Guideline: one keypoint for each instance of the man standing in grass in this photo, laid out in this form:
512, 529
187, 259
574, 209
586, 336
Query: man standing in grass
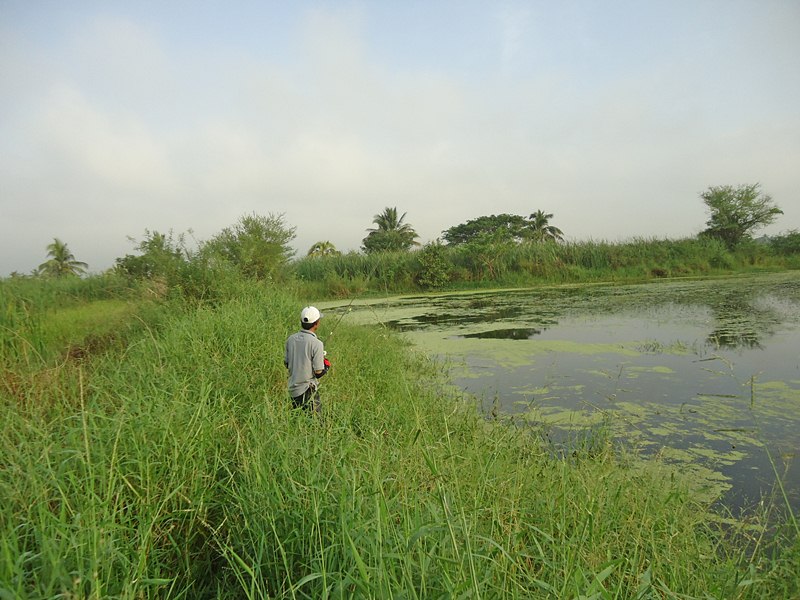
305, 359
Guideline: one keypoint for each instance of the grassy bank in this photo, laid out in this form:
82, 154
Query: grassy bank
510, 265
168, 465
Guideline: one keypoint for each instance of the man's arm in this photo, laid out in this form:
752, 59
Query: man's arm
319, 357
324, 371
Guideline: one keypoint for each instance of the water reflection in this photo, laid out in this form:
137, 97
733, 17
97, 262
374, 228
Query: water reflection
503, 334
702, 373
742, 320
735, 317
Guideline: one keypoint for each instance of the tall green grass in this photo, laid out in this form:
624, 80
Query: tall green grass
173, 467
509, 264
46, 293
40, 318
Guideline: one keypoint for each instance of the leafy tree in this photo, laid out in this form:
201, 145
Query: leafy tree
257, 246
541, 230
161, 255
504, 227
62, 261
323, 249
390, 234
737, 211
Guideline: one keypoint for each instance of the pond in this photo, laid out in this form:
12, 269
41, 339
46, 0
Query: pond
705, 374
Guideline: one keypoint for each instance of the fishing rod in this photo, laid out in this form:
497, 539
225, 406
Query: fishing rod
348, 308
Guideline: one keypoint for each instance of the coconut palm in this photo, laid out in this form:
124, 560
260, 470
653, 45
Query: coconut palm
541, 230
325, 248
391, 233
62, 261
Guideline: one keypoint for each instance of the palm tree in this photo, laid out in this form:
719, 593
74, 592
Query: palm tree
541, 230
391, 233
62, 261
325, 248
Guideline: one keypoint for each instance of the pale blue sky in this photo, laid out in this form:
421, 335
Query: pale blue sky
116, 117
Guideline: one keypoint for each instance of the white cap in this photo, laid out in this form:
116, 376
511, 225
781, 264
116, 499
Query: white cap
310, 315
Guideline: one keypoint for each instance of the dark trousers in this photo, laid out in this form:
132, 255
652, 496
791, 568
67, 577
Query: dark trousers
308, 400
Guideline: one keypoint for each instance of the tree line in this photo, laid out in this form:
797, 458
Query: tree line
259, 246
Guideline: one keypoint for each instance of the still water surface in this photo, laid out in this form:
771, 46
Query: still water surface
703, 374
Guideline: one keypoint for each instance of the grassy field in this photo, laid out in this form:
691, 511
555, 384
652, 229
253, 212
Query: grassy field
165, 463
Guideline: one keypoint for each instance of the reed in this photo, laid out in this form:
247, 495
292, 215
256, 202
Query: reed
509, 264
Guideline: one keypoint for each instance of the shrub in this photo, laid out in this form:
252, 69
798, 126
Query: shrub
787, 244
434, 267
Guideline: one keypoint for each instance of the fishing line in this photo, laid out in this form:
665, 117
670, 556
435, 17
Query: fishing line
349, 307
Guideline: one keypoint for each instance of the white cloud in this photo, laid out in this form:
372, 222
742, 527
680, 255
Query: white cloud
115, 152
